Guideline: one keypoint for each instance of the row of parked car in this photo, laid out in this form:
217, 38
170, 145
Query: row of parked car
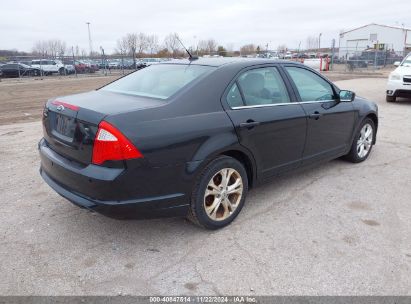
128, 63
40, 67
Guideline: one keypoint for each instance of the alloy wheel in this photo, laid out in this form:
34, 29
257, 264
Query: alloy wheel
364, 141
223, 194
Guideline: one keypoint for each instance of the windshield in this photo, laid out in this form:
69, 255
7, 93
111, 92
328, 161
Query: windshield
158, 81
407, 61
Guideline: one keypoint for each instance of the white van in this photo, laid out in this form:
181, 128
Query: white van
48, 66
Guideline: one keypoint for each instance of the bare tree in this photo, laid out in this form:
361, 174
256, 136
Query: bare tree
172, 44
211, 45
248, 49
141, 43
83, 53
312, 43
77, 51
62, 48
208, 46
132, 45
40, 48
51, 48
202, 47
122, 46
152, 43
282, 48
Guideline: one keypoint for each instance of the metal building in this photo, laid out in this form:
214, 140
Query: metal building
381, 37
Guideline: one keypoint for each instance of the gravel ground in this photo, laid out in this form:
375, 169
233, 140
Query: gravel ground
22, 100
338, 229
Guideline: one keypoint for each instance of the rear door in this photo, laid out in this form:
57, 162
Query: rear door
330, 122
267, 120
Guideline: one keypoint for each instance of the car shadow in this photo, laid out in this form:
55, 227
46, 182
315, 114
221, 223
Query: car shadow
403, 101
101, 227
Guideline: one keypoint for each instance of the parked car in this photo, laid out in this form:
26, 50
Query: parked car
18, 70
103, 64
145, 62
48, 66
79, 66
159, 142
91, 66
372, 57
69, 69
399, 81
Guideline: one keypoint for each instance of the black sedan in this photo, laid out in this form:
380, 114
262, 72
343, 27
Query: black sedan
18, 70
190, 138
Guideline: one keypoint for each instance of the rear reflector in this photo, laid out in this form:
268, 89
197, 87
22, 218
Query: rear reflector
111, 144
64, 104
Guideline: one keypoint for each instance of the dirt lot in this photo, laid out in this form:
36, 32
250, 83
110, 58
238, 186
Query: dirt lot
23, 100
337, 229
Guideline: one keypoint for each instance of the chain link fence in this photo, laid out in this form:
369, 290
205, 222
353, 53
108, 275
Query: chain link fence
44, 66
371, 59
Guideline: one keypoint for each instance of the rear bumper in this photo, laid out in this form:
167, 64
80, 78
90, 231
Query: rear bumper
62, 177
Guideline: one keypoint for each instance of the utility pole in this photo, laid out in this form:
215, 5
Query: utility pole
319, 43
332, 53
104, 60
74, 61
89, 39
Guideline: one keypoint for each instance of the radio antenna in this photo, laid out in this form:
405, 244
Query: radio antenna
191, 57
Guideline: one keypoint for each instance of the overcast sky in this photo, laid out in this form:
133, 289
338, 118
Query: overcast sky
235, 22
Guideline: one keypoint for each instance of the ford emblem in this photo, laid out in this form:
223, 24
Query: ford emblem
60, 108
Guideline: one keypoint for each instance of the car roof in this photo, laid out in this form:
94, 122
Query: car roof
220, 61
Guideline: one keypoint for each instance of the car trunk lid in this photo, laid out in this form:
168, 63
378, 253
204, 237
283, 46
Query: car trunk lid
71, 123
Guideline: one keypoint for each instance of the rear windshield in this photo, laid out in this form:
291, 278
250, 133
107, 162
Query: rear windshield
158, 81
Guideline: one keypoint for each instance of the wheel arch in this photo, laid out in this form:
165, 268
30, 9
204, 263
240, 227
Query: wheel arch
245, 159
238, 153
374, 118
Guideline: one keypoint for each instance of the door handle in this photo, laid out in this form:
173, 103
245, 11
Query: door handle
249, 124
316, 115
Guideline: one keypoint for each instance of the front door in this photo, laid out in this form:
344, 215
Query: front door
330, 122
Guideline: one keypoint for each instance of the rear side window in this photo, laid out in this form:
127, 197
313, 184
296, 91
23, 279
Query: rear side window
234, 97
263, 86
310, 86
158, 81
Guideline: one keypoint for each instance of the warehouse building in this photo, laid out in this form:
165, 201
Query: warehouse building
381, 37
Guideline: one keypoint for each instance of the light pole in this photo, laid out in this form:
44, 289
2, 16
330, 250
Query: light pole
319, 42
89, 39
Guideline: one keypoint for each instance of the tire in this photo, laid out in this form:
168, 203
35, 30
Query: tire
390, 98
62, 71
228, 206
358, 154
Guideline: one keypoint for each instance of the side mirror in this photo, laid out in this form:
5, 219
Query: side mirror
397, 63
347, 95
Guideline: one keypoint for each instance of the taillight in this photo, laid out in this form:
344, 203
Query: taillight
111, 144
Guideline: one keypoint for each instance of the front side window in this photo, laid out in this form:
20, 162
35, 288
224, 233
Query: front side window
263, 86
310, 86
158, 81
